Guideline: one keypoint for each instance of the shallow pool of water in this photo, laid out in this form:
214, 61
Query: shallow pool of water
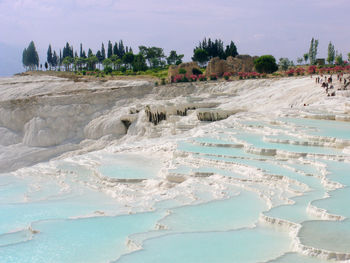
129, 166
70, 215
328, 235
231, 246
99, 239
240, 211
336, 129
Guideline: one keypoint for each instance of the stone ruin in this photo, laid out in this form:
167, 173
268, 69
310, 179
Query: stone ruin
240, 63
174, 69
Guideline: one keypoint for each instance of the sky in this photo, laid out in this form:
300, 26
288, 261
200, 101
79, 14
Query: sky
282, 28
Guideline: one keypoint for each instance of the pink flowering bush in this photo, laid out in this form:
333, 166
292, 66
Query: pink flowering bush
202, 77
312, 69
253, 75
249, 75
193, 78
242, 75
332, 70
290, 72
177, 78
338, 69
180, 78
300, 71
227, 75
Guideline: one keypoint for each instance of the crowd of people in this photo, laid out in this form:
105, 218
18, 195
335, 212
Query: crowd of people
327, 83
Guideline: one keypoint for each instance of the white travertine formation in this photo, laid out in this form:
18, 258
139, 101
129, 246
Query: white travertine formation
43, 118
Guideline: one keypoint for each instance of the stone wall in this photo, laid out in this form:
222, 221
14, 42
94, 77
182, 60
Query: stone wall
240, 63
174, 69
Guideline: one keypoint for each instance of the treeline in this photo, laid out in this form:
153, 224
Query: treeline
121, 57
116, 56
333, 57
208, 49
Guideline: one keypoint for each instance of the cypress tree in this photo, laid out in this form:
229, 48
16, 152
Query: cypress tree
81, 50
115, 49
68, 51
103, 52
121, 49
313, 51
60, 61
216, 48
110, 49
65, 51
49, 56
331, 53
54, 60
25, 58
231, 50
99, 57
30, 57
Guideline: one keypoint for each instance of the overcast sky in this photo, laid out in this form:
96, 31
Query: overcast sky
282, 28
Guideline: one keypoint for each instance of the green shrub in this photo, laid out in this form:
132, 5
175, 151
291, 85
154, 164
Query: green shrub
163, 81
156, 83
108, 70
213, 77
182, 71
266, 64
84, 72
196, 71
